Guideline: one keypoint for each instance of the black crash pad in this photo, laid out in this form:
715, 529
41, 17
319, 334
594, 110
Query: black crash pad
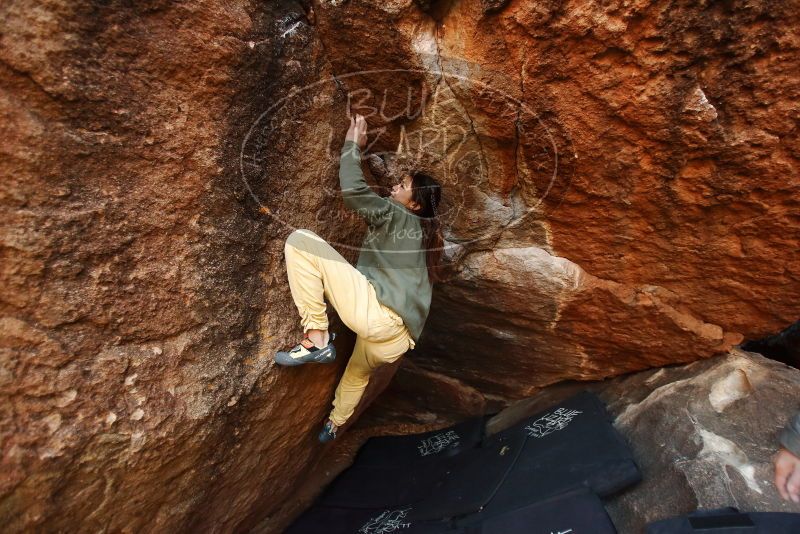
728, 521
576, 512
378, 487
395, 471
569, 445
336, 520
395, 451
446, 487
471, 478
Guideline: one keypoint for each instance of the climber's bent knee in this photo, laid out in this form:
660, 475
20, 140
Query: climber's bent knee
302, 233
300, 236
306, 232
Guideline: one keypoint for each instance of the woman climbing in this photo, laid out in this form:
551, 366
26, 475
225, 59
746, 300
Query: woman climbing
386, 298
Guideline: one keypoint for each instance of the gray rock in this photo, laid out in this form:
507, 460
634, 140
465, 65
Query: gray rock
703, 434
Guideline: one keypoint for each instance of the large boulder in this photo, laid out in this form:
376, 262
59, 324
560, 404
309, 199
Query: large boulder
642, 166
620, 186
143, 292
618, 195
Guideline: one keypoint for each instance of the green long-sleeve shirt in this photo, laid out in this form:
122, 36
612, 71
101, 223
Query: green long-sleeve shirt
393, 253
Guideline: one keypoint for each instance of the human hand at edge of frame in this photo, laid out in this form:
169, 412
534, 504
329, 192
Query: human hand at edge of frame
787, 475
357, 131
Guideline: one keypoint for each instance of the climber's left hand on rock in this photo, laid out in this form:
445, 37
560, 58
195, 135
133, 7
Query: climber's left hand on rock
358, 131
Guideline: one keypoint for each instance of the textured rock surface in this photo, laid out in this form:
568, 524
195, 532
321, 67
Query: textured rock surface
703, 434
143, 293
670, 230
621, 181
621, 187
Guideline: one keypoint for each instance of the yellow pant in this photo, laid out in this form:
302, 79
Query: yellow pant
316, 270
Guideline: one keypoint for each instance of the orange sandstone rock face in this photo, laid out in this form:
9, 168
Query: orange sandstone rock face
143, 293
621, 193
624, 190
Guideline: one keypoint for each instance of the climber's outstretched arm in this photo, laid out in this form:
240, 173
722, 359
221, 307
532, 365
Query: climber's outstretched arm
356, 193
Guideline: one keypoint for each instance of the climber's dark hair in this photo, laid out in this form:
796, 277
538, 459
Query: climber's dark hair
427, 192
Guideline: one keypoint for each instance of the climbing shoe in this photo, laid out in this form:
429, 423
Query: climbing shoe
307, 352
328, 432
